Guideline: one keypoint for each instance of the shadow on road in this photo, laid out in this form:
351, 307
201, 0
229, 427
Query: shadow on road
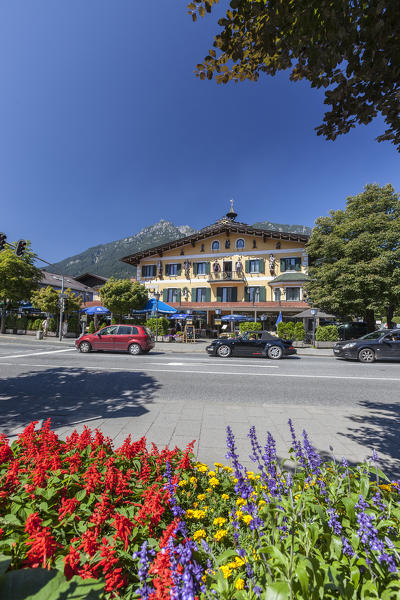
379, 430
69, 396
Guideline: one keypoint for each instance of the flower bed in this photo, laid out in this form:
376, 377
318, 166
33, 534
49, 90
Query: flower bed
78, 517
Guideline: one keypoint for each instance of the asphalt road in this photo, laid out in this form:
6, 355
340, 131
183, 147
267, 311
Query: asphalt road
173, 397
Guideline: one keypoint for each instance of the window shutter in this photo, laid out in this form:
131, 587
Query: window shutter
193, 294
153, 270
142, 271
165, 295
167, 269
178, 295
219, 294
179, 269
283, 265
297, 265
246, 295
194, 268
234, 295
207, 268
261, 266
208, 291
262, 294
247, 266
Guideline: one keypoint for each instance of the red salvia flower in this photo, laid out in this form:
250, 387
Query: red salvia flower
71, 562
124, 528
67, 507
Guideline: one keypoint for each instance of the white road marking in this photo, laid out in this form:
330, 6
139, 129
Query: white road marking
226, 373
175, 364
38, 353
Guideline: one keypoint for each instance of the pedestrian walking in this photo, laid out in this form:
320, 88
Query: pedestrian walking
45, 326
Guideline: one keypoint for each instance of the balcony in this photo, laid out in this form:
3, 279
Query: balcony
226, 277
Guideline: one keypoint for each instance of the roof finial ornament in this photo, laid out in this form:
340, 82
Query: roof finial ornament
231, 214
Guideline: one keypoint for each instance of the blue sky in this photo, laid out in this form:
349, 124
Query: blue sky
105, 129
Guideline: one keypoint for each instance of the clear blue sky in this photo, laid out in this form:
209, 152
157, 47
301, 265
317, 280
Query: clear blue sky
105, 129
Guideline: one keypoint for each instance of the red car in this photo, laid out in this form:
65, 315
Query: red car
135, 339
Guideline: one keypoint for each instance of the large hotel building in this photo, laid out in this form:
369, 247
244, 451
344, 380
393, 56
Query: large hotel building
228, 267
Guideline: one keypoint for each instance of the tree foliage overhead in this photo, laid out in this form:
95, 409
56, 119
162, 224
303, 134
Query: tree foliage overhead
349, 47
120, 296
48, 300
18, 278
355, 255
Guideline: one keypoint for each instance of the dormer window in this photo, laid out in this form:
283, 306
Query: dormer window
215, 245
240, 244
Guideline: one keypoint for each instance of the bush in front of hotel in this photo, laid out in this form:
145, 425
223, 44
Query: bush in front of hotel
327, 333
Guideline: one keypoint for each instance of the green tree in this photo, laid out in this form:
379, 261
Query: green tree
120, 296
350, 48
48, 300
355, 256
18, 278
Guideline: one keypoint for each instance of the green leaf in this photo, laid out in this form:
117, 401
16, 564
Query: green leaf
225, 555
4, 563
42, 584
11, 519
364, 485
277, 591
302, 574
80, 495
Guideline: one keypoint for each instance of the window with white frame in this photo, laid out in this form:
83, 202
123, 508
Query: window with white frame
215, 245
172, 269
240, 244
172, 295
254, 266
292, 294
148, 270
277, 294
201, 268
200, 295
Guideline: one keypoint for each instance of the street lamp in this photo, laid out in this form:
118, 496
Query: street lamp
157, 296
314, 312
61, 305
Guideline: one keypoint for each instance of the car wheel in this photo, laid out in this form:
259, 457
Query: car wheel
366, 355
274, 352
85, 347
224, 351
135, 349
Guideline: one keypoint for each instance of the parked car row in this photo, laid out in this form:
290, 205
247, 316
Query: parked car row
383, 344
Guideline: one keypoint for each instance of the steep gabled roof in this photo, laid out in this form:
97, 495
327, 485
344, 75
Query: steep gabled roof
225, 225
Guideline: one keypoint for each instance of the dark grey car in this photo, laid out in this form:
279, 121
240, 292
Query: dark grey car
378, 345
252, 343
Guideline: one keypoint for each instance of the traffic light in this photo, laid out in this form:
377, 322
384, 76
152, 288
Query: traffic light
20, 249
3, 239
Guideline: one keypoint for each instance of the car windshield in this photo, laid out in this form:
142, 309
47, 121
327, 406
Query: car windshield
375, 335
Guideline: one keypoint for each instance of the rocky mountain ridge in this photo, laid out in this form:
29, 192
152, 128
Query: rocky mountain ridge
104, 259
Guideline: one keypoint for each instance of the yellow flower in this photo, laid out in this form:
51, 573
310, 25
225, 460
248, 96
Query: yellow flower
226, 570
209, 490
261, 503
225, 497
195, 504
182, 482
211, 473
250, 474
214, 481
195, 514
220, 465
202, 469
239, 585
219, 521
228, 469
221, 533
247, 519
239, 561
240, 502
193, 480
201, 497
200, 533
239, 514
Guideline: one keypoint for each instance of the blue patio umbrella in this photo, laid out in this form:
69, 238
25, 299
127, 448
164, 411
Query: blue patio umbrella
152, 306
180, 316
96, 310
234, 318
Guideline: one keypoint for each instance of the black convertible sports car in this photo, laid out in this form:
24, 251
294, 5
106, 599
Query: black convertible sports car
252, 343
383, 344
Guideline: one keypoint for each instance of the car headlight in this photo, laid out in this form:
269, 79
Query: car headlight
351, 345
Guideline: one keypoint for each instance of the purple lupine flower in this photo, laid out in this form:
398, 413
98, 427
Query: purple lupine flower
188, 579
368, 535
333, 521
377, 501
347, 547
257, 591
313, 458
256, 448
144, 555
177, 511
297, 445
243, 486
